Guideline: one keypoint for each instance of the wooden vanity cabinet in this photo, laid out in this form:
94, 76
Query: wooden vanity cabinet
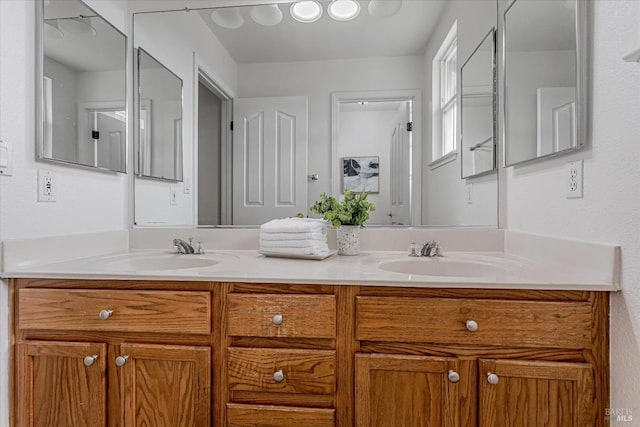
78, 366
289, 355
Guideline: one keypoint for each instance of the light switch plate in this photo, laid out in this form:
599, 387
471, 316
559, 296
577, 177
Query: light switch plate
173, 195
6, 158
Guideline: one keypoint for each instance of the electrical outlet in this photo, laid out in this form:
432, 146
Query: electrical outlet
574, 179
173, 195
469, 194
47, 189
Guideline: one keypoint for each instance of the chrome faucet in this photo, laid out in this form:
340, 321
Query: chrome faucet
431, 249
184, 247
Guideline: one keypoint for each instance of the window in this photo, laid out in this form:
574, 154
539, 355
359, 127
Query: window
444, 101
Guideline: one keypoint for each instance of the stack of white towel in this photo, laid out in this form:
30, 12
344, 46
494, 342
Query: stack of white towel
294, 236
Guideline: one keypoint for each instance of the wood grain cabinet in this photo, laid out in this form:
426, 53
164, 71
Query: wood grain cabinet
202, 354
123, 374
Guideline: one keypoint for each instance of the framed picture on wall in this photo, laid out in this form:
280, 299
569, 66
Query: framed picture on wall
361, 174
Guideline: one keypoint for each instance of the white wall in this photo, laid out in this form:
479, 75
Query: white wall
444, 193
610, 209
88, 201
172, 38
366, 134
65, 115
317, 80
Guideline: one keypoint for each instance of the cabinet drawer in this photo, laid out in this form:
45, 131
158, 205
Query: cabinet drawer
300, 371
499, 322
278, 416
272, 315
131, 311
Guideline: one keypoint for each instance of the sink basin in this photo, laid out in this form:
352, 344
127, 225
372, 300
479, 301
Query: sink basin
441, 267
158, 262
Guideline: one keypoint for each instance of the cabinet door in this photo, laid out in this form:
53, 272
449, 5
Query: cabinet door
536, 394
61, 384
165, 385
408, 391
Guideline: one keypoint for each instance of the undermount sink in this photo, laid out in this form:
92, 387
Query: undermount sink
158, 262
441, 267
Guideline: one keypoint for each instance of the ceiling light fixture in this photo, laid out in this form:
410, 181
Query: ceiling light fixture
52, 30
306, 11
78, 26
384, 8
343, 10
228, 17
267, 15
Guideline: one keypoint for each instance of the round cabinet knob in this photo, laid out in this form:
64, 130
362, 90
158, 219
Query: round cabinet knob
121, 360
492, 378
277, 319
88, 360
278, 376
453, 376
105, 314
471, 325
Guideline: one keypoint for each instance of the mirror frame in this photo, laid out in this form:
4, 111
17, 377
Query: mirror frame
582, 93
39, 88
491, 35
138, 106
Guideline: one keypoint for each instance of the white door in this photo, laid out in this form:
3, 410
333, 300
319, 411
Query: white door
401, 168
269, 159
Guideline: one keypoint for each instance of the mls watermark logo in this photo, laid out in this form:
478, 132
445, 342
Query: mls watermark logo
619, 414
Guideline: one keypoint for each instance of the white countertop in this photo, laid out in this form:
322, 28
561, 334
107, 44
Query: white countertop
503, 271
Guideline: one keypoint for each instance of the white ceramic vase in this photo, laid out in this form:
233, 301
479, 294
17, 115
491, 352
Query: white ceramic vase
348, 239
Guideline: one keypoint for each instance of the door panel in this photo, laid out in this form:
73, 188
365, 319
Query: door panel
57, 389
536, 394
408, 391
270, 159
166, 385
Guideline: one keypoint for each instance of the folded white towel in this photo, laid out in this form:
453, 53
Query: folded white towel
297, 251
289, 225
293, 243
292, 236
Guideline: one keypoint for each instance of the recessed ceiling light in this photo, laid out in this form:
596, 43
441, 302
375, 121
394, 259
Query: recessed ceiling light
363, 102
78, 26
306, 11
268, 14
343, 10
384, 8
228, 17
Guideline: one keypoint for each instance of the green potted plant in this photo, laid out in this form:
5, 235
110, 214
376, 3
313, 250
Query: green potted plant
347, 215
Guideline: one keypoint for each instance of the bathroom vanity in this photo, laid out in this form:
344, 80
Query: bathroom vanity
367, 347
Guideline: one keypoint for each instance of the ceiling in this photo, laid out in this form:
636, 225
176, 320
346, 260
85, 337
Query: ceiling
404, 34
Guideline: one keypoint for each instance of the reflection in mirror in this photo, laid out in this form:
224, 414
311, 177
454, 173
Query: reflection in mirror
81, 95
478, 106
160, 120
249, 60
544, 84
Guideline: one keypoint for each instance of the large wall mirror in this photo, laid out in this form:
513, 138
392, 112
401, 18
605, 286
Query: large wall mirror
81, 115
252, 53
478, 110
544, 78
159, 146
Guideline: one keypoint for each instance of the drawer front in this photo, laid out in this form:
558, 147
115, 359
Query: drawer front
282, 370
274, 416
498, 322
272, 315
130, 311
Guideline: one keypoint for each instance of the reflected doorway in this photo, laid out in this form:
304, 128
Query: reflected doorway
213, 133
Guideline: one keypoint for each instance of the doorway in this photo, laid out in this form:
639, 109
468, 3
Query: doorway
213, 127
385, 127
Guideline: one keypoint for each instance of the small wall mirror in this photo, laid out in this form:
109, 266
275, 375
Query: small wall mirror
81, 115
478, 120
545, 67
159, 120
